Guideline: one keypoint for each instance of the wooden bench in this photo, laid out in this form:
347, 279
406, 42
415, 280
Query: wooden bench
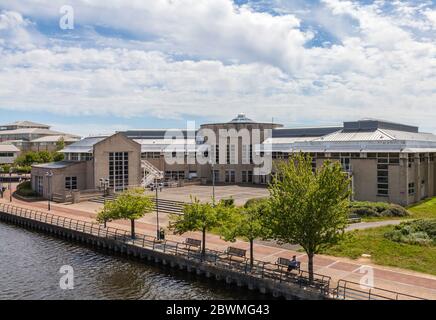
284, 263
233, 252
190, 242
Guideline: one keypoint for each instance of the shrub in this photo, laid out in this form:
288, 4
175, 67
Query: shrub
6, 168
25, 189
418, 232
230, 202
377, 209
254, 201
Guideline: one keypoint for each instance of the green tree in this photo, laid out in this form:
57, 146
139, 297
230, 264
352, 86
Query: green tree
57, 156
44, 157
131, 204
198, 216
60, 144
31, 157
246, 222
308, 208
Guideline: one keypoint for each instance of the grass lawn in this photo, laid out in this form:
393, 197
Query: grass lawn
386, 252
424, 210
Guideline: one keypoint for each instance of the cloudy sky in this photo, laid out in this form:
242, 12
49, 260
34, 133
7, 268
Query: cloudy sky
158, 63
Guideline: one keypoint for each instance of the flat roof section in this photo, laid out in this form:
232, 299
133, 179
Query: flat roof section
56, 165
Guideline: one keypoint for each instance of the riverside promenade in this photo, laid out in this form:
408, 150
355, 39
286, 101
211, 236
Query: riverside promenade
339, 269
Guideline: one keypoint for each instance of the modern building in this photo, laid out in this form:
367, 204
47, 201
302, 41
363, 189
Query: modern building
31, 136
8, 153
386, 161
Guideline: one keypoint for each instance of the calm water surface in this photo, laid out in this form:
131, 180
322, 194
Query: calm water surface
30, 263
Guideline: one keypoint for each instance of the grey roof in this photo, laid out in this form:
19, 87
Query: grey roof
8, 148
155, 133
374, 124
40, 131
56, 165
27, 124
303, 132
377, 135
55, 138
85, 145
241, 118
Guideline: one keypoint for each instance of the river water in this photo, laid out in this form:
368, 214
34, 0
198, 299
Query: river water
30, 265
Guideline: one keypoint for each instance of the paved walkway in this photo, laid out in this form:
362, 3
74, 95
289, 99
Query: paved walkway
390, 278
372, 224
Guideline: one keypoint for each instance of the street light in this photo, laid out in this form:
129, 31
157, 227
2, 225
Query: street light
157, 210
1, 181
104, 185
213, 180
10, 183
49, 175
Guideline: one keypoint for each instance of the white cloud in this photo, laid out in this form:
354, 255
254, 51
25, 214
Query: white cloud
230, 59
431, 16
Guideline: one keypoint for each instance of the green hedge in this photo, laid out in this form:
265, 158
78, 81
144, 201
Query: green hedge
16, 169
254, 201
25, 189
419, 232
377, 209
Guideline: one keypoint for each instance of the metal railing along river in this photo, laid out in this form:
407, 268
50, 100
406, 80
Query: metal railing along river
260, 269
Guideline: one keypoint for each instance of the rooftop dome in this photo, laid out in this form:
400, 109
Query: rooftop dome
241, 118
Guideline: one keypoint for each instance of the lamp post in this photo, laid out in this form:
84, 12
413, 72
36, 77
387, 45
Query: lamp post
104, 185
157, 210
1, 181
49, 175
213, 181
10, 183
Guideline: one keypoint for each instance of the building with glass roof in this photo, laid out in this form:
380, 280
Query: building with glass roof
386, 161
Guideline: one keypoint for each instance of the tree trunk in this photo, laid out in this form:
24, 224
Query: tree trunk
310, 255
251, 253
132, 228
203, 251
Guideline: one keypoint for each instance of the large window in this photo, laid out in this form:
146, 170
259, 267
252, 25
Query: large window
230, 155
71, 183
6, 154
411, 188
411, 159
230, 176
247, 176
174, 175
39, 185
85, 156
119, 170
383, 174
217, 154
150, 155
216, 176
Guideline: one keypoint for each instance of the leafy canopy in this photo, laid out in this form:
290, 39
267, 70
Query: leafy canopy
198, 216
308, 208
246, 222
131, 204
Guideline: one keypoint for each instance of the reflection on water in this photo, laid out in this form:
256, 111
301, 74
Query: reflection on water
30, 263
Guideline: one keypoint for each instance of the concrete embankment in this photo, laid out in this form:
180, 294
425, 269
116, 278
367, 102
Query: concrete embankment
176, 255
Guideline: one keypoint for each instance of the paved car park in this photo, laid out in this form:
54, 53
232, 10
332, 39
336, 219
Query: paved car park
240, 193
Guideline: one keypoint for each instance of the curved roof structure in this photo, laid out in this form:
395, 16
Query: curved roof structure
241, 118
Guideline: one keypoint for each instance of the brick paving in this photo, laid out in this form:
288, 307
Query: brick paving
389, 278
